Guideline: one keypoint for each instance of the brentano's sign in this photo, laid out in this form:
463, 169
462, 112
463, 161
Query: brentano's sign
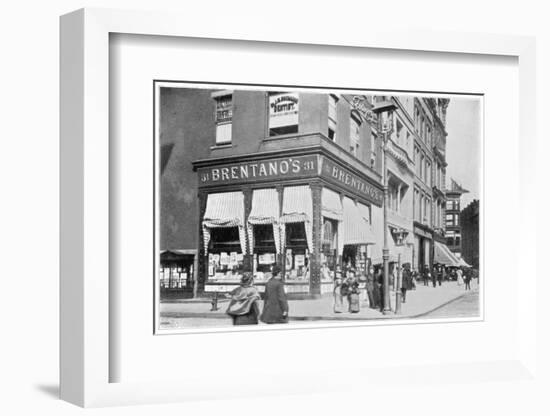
295, 167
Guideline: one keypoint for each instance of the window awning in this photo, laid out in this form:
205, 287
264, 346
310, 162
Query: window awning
443, 255
331, 205
298, 207
265, 210
224, 209
297, 204
357, 228
265, 207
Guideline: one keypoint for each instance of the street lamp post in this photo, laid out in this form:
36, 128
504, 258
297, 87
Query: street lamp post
383, 107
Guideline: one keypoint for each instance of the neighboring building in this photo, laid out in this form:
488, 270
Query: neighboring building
469, 228
452, 218
429, 117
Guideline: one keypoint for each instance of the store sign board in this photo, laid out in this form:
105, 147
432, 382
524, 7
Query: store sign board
352, 182
271, 169
283, 109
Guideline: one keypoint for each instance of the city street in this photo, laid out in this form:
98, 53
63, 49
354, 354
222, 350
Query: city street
447, 301
465, 306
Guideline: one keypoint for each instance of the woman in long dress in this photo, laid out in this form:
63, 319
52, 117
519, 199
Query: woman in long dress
459, 279
338, 296
244, 306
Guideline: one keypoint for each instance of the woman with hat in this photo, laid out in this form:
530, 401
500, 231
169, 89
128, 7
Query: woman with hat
244, 306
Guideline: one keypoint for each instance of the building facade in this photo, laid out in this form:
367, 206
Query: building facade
250, 179
469, 229
453, 234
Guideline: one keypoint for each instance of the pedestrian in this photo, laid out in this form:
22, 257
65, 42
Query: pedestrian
414, 278
426, 275
467, 280
244, 306
338, 306
275, 301
439, 275
434, 276
459, 279
380, 288
407, 281
345, 290
353, 296
370, 289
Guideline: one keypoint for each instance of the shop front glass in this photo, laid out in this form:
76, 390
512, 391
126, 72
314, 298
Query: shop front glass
296, 253
225, 257
329, 246
264, 251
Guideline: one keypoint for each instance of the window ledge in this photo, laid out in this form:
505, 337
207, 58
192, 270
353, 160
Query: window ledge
222, 146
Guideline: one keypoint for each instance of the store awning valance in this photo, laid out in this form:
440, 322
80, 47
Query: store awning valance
297, 204
265, 210
298, 207
265, 207
224, 209
331, 205
443, 255
357, 228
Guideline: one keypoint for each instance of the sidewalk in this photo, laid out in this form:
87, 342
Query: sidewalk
419, 302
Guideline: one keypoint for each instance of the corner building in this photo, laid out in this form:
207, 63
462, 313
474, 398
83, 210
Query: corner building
249, 179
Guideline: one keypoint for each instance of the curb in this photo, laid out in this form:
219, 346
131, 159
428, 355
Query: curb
223, 315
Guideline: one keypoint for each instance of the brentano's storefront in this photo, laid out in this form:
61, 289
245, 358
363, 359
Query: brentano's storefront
309, 213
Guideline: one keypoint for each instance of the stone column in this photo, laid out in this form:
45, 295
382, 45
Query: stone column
248, 258
315, 255
202, 269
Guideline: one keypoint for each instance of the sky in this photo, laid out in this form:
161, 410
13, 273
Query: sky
464, 145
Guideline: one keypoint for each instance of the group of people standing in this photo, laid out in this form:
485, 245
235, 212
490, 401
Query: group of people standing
439, 273
244, 306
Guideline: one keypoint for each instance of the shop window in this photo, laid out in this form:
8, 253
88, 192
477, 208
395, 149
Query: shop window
283, 113
265, 253
296, 252
224, 118
225, 258
332, 116
329, 247
355, 129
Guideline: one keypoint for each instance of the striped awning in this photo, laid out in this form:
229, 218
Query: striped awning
297, 204
298, 207
443, 255
331, 205
265, 207
265, 210
224, 209
357, 229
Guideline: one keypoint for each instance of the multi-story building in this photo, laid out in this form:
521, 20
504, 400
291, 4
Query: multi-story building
429, 118
469, 229
452, 218
250, 178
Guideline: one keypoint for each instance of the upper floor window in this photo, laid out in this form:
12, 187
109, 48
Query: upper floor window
283, 113
398, 131
332, 116
355, 134
224, 118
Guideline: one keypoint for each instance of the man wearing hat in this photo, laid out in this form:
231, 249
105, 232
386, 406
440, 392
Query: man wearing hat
275, 302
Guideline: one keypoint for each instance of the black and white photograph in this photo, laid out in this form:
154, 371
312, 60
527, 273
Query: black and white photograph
280, 205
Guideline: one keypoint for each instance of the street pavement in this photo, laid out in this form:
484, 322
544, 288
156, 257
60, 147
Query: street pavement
424, 302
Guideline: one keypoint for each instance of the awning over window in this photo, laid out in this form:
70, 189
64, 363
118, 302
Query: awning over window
265, 210
443, 255
463, 262
357, 228
224, 210
331, 206
298, 207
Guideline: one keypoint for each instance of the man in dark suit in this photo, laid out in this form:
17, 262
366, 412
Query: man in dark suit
275, 302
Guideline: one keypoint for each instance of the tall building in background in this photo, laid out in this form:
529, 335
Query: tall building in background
469, 228
452, 218
430, 139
